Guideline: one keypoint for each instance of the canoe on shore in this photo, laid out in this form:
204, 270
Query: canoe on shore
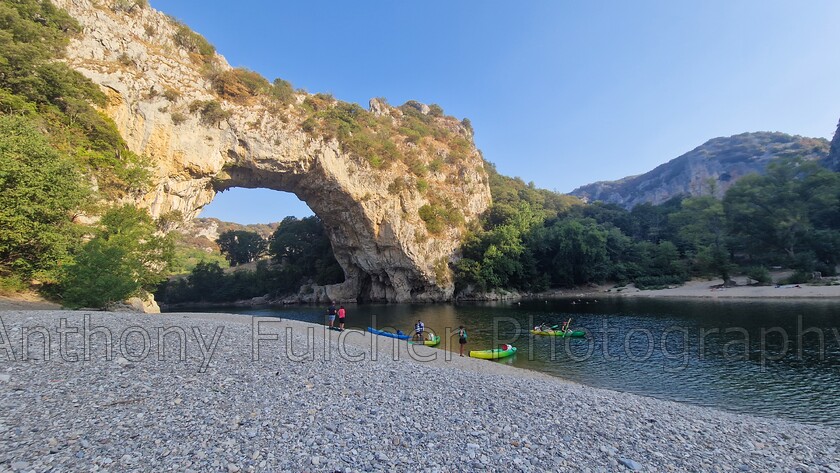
559, 333
429, 343
388, 334
493, 354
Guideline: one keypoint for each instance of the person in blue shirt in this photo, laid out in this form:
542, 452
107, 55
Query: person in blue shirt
419, 328
331, 312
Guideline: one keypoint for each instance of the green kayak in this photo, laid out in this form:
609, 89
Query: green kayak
494, 353
429, 343
559, 333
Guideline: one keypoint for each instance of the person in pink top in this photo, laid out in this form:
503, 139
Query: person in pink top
341, 314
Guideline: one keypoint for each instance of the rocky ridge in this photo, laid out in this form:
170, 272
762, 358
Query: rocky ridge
371, 214
709, 169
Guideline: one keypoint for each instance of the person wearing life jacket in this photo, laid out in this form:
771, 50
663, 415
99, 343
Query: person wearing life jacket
565, 327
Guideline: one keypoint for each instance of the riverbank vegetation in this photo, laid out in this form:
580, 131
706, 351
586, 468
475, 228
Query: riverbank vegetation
532, 241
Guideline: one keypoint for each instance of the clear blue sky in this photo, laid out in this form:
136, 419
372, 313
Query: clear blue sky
562, 93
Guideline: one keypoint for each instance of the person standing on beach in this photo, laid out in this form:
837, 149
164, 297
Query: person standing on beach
462, 338
419, 328
341, 315
331, 313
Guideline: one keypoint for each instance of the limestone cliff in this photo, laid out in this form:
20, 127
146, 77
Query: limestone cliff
832, 161
371, 205
712, 167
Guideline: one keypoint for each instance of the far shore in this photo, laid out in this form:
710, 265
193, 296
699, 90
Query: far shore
703, 289
696, 289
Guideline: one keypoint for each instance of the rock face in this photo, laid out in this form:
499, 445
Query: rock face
708, 169
145, 304
833, 160
371, 213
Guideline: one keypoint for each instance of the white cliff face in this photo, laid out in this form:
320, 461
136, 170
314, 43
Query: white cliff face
376, 231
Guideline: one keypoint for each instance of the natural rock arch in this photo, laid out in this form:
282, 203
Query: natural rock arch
371, 215
364, 233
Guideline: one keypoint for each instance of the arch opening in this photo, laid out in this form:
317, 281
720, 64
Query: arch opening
350, 238
254, 206
299, 254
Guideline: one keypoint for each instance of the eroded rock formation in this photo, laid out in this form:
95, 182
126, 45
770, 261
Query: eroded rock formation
371, 213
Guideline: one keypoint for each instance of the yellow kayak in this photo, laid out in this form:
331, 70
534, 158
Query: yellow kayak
494, 353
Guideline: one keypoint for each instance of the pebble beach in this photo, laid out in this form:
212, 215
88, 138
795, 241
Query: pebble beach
217, 392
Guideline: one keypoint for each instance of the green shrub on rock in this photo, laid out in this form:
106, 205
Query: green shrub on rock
211, 111
282, 91
240, 84
200, 49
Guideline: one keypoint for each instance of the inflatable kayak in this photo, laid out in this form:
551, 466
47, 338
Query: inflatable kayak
429, 343
494, 353
388, 334
559, 333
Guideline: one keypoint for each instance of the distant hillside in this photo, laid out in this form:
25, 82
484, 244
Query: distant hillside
203, 232
213, 227
195, 241
710, 168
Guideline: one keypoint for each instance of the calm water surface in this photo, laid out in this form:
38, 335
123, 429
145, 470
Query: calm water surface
779, 359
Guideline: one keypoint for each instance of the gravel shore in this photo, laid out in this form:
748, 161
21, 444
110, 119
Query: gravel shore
711, 290
345, 405
695, 289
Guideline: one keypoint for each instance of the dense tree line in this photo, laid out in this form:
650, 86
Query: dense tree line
788, 217
53, 144
39, 190
300, 253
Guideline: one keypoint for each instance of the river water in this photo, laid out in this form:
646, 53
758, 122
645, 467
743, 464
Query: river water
778, 359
